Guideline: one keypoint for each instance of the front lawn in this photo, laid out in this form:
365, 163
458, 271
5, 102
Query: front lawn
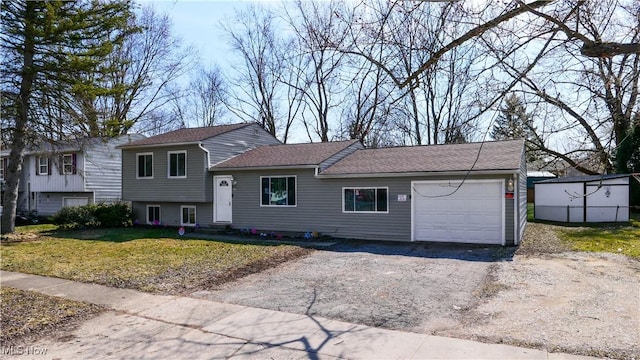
620, 239
153, 260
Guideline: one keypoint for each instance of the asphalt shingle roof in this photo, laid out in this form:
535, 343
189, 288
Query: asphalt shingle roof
285, 155
495, 155
186, 135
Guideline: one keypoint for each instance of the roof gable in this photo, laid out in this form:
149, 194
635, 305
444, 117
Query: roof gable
486, 156
186, 135
286, 155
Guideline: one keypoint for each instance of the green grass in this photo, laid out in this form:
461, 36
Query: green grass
530, 216
148, 259
620, 239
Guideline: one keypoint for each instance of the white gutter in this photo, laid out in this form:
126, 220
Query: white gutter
208, 155
412, 174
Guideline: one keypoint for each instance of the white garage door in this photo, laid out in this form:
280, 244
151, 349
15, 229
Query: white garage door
75, 201
472, 214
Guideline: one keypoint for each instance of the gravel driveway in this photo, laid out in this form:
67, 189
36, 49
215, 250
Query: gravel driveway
583, 303
418, 287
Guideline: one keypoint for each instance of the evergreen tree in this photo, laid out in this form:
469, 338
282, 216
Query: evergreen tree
48, 49
514, 122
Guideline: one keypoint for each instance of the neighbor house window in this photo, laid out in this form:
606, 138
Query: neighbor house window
177, 164
278, 190
153, 214
365, 199
3, 163
43, 166
188, 215
145, 165
68, 164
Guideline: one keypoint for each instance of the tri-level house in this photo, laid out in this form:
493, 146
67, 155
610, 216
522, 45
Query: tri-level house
167, 179
70, 173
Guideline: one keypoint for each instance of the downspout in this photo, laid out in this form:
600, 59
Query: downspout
208, 155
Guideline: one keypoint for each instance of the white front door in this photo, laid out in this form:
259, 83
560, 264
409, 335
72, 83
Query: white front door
222, 198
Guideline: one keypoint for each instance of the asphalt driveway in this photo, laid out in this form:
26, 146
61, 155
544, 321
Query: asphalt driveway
423, 288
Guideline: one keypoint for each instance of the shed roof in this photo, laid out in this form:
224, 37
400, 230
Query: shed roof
186, 135
586, 178
285, 155
482, 156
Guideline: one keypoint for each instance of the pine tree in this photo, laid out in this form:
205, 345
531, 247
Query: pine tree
514, 122
48, 49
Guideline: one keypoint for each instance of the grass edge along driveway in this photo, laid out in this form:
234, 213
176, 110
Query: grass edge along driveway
146, 259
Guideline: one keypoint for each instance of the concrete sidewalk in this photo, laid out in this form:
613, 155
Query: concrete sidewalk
146, 326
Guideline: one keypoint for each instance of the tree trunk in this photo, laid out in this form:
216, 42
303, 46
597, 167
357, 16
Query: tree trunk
16, 156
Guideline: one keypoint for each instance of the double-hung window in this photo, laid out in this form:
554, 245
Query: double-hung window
68, 164
43, 166
153, 214
278, 190
188, 215
145, 166
367, 199
177, 164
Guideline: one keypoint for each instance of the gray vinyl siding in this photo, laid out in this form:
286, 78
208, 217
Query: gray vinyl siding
509, 221
522, 197
340, 155
49, 203
103, 169
319, 206
56, 181
236, 142
170, 212
196, 187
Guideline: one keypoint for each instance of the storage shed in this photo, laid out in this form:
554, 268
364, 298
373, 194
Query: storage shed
593, 198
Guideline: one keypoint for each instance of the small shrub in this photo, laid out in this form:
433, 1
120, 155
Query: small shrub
93, 215
114, 215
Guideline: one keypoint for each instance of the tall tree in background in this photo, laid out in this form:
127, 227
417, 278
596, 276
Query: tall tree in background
514, 122
49, 48
143, 67
203, 102
259, 91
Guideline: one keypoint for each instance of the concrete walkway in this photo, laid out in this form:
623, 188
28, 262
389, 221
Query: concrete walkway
146, 326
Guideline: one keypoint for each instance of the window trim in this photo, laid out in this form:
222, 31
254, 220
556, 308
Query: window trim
169, 153
364, 188
159, 213
40, 165
138, 155
279, 176
195, 215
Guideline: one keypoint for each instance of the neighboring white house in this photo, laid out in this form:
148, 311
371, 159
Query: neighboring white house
70, 173
594, 198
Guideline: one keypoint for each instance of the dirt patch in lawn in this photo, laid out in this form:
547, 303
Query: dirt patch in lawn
579, 303
26, 316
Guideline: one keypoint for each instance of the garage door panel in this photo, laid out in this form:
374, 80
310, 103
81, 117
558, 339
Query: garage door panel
472, 214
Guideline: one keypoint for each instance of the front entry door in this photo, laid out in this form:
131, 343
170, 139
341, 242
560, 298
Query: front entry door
222, 201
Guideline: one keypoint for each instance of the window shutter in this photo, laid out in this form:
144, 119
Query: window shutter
74, 161
37, 165
61, 164
48, 166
